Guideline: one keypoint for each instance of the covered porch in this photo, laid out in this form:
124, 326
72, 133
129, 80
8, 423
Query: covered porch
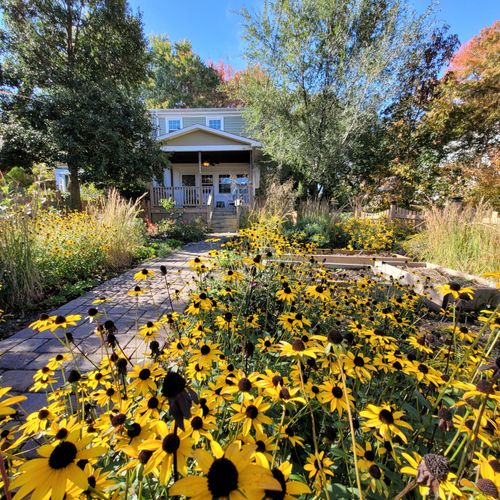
215, 173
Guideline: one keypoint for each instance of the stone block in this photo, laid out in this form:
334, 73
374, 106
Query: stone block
19, 380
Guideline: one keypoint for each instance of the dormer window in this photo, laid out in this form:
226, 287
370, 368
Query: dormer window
215, 123
174, 125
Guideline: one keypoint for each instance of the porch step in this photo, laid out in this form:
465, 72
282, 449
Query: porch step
224, 222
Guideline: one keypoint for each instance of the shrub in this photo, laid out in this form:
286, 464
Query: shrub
458, 238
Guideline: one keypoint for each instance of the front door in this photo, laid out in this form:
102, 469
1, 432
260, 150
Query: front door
190, 197
207, 187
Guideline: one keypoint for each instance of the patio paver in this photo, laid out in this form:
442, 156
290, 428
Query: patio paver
25, 352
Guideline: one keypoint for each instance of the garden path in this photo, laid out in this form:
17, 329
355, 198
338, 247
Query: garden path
25, 352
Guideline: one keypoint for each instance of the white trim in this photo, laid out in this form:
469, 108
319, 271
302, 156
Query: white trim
221, 118
204, 128
197, 111
222, 147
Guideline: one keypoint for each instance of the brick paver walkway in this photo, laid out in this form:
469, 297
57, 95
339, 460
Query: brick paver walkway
25, 352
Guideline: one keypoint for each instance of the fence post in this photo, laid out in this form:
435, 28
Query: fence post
392, 211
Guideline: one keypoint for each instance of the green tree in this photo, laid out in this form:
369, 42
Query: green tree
326, 69
77, 67
180, 79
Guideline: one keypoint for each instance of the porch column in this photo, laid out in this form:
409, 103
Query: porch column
250, 179
199, 188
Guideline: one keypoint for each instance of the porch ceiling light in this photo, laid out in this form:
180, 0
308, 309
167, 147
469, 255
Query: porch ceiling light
205, 164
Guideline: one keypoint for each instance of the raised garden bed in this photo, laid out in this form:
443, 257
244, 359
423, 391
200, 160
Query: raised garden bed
348, 259
424, 277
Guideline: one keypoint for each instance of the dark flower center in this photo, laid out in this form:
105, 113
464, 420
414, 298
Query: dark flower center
43, 414
375, 471
110, 392
153, 403
252, 412
60, 320
359, 361
423, 369
222, 477
171, 443
319, 289
205, 350
62, 433
144, 456
134, 430
267, 343
261, 446
173, 385
385, 416
298, 345
144, 374
287, 290
150, 324
118, 420
488, 487
485, 387
62, 455
228, 317
335, 337
284, 393
197, 423
454, 286
203, 296
244, 385
277, 380
289, 431
337, 392
370, 455
315, 389
277, 495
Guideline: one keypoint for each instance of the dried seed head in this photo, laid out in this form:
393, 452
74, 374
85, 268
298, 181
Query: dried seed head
437, 465
485, 387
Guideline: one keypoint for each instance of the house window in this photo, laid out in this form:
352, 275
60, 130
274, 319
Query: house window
215, 123
207, 180
242, 179
224, 184
174, 125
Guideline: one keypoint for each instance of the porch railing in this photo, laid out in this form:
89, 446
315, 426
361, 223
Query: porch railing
183, 196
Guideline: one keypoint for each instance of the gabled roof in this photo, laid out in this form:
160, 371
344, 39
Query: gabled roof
244, 141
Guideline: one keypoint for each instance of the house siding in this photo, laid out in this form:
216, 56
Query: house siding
234, 125
193, 120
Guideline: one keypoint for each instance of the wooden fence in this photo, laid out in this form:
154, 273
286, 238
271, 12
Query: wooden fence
414, 217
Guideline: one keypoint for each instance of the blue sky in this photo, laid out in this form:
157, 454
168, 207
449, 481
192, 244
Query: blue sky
214, 27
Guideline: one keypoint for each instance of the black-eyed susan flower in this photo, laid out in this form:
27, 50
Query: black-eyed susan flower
144, 378
455, 290
150, 330
230, 474
137, 291
297, 349
385, 420
290, 490
144, 274
320, 292
172, 444
50, 474
334, 394
42, 322
318, 464
252, 414
286, 294
61, 322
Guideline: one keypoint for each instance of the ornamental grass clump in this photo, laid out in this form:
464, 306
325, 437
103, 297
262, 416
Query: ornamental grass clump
280, 379
458, 238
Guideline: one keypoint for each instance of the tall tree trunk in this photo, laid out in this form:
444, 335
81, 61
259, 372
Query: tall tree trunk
75, 201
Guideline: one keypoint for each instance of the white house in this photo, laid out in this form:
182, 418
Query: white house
213, 162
